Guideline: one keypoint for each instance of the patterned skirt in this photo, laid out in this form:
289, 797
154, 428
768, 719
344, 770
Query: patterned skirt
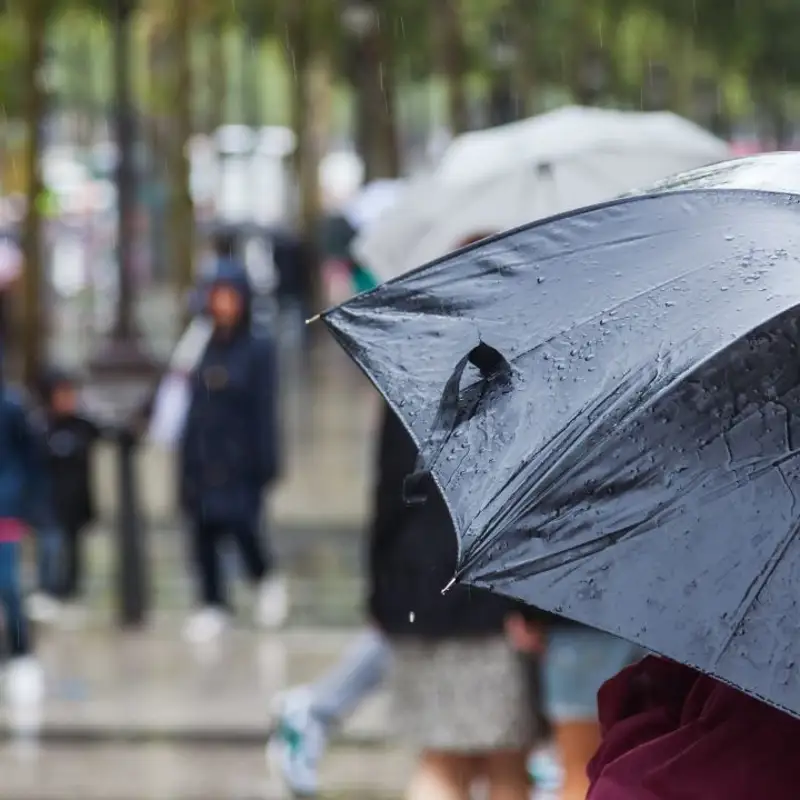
464, 695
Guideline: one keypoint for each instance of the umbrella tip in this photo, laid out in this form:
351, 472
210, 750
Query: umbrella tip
449, 585
313, 319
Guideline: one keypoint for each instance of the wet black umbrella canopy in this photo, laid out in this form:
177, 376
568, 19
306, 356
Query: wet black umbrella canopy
609, 402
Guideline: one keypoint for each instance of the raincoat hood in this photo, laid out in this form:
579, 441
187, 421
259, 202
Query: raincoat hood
50, 380
231, 272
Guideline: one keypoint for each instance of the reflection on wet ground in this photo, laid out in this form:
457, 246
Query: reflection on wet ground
161, 771
143, 715
102, 684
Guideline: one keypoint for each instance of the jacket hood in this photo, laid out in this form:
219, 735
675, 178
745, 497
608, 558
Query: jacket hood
231, 272
52, 378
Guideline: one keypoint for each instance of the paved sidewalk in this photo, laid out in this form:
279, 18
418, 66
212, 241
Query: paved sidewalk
147, 717
167, 772
105, 686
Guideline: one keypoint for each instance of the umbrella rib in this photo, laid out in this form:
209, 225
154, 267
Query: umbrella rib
757, 584
567, 443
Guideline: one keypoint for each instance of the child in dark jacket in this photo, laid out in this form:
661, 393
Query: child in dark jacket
69, 439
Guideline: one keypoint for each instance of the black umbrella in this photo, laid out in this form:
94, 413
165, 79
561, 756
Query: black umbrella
609, 401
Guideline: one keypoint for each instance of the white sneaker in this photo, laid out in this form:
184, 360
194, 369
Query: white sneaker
297, 743
544, 767
43, 608
24, 682
24, 695
205, 626
272, 603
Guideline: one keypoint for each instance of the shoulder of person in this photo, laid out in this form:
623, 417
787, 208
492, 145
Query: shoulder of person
18, 402
85, 422
20, 414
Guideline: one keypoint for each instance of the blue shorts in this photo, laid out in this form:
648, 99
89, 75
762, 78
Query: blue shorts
578, 661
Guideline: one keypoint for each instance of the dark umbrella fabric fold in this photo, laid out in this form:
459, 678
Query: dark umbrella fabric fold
609, 402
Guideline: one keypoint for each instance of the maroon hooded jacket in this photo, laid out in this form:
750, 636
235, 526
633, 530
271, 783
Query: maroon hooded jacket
670, 733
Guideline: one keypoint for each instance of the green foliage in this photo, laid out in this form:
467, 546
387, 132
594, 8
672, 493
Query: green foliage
12, 65
747, 45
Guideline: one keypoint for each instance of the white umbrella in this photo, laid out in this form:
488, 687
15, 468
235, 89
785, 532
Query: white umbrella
496, 179
373, 201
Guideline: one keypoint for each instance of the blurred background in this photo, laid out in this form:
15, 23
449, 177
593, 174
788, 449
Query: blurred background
131, 130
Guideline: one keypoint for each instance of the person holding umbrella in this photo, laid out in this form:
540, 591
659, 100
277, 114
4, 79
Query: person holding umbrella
576, 660
305, 716
611, 413
462, 695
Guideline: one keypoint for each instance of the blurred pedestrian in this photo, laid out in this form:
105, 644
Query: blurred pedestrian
576, 660
462, 695
230, 451
70, 438
306, 716
461, 692
23, 494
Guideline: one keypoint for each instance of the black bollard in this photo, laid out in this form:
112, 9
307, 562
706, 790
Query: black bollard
132, 561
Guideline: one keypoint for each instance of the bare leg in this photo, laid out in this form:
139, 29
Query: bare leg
507, 775
442, 776
577, 742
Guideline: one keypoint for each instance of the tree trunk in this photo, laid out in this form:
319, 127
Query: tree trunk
182, 215
156, 139
524, 34
32, 323
585, 55
218, 77
771, 101
375, 101
251, 83
503, 105
450, 55
300, 56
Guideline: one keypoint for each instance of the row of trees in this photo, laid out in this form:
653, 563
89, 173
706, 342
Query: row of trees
651, 53
711, 59
326, 65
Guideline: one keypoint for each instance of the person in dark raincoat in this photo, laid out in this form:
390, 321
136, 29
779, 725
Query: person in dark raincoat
462, 694
230, 452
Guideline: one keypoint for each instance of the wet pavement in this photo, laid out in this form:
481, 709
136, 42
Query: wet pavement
161, 771
145, 715
104, 685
